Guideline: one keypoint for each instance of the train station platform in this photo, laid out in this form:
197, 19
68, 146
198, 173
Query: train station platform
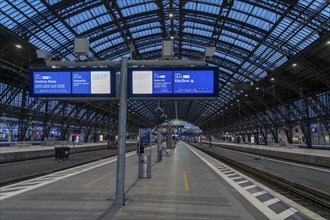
18, 153
317, 157
186, 184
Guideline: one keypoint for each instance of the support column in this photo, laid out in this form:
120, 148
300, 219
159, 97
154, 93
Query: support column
256, 138
120, 180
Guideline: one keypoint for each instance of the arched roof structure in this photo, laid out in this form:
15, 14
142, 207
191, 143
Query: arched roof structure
255, 41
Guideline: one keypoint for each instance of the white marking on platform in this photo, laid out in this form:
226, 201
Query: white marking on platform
40, 181
271, 201
259, 205
288, 213
235, 178
249, 187
228, 172
243, 181
259, 193
234, 174
252, 197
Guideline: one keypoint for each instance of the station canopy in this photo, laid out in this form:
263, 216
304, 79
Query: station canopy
253, 40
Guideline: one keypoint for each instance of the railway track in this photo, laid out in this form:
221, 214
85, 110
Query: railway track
312, 199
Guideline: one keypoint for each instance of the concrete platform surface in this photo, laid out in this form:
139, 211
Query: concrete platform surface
301, 155
186, 184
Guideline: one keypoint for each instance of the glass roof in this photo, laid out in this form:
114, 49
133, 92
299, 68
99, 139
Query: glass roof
251, 37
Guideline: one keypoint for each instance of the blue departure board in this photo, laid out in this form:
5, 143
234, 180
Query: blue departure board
91, 82
162, 82
72, 83
52, 83
173, 82
81, 82
193, 81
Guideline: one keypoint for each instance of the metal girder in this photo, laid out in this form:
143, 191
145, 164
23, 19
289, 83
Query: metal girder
66, 25
117, 17
67, 9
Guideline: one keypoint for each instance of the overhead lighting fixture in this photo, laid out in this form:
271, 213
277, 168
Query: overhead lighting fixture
257, 88
171, 15
272, 79
294, 64
328, 42
18, 46
53, 67
237, 100
246, 95
172, 37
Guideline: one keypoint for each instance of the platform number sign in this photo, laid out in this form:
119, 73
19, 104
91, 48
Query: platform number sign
144, 136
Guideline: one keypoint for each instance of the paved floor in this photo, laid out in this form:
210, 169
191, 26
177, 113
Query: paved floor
182, 187
286, 149
13, 149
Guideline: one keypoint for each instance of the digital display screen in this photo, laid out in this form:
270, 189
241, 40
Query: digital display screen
152, 82
193, 82
52, 83
142, 82
91, 82
81, 82
72, 82
173, 82
162, 82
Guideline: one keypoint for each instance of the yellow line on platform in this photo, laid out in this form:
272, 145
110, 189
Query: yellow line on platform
184, 175
185, 181
89, 185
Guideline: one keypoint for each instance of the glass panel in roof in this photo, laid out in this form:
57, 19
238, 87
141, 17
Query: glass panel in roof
102, 46
198, 25
146, 32
99, 10
237, 15
200, 6
11, 14
259, 23
117, 41
234, 59
59, 25
52, 2
244, 7
145, 26
86, 26
103, 19
79, 18
104, 39
198, 32
148, 49
136, 9
39, 44
9, 23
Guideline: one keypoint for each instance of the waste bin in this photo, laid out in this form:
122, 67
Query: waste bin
160, 155
145, 166
62, 153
